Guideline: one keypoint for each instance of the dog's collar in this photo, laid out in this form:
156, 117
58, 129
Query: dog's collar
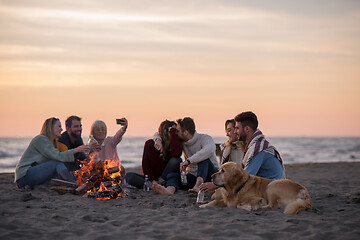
241, 187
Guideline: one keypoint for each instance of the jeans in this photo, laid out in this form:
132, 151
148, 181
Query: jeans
137, 180
205, 169
43, 172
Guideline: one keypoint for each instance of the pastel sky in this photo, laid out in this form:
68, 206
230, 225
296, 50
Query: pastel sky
296, 64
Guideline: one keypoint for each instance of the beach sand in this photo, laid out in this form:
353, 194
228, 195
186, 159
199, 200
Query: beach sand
44, 214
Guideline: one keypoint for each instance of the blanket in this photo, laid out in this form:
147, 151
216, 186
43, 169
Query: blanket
257, 144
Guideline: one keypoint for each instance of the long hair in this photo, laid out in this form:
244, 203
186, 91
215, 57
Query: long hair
236, 144
163, 132
47, 129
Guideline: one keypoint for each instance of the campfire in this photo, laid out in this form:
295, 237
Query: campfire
96, 179
100, 179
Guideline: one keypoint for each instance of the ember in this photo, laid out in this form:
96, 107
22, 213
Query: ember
100, 179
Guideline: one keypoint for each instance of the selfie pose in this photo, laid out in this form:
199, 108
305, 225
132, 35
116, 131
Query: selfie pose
107, 145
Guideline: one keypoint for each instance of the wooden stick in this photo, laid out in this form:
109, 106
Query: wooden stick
62, 189
58, 182
113, 170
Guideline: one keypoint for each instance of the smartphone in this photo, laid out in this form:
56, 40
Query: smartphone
120, 121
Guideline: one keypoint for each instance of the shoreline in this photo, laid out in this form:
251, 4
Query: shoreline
42, 213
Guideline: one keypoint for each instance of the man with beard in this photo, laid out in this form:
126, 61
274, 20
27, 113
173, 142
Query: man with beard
70, 139
260, 157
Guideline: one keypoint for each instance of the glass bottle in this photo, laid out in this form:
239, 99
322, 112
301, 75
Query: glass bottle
183, 177
146, 187
200, 197
93, 141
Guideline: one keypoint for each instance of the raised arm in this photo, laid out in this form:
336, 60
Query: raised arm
119, 134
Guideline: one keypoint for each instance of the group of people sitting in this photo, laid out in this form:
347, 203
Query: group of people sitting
55, 155
246, 146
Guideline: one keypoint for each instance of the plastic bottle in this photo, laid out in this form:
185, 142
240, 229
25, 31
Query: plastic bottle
183, 177
200, 197
146, 187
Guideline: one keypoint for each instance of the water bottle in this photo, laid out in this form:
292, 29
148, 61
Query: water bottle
200, 197
146, 187
183, 177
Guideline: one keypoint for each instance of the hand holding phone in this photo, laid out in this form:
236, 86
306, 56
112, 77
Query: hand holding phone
120, 121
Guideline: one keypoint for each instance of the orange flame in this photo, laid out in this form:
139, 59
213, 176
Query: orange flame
96, 174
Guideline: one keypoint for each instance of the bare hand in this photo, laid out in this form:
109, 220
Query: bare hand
94, 147
158, 145
183, 165
124, 124
208, 187
82, 148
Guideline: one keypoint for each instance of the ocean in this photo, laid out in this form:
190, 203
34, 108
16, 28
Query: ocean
292, 150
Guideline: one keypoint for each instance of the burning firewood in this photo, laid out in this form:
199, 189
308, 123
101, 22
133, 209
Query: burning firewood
99, 180
89, 184
113, 170
106, 194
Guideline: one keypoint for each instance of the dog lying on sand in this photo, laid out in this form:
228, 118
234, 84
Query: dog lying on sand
242, 190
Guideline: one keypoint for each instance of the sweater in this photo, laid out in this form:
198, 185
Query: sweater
199, 148
152, 164
40, 150
64, 143
232, 153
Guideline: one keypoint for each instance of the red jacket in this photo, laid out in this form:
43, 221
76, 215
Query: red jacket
152, 164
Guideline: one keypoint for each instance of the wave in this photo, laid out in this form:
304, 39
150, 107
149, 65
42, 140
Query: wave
7, 165
8, 155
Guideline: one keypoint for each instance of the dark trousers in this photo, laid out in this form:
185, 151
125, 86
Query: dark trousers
205, 169
137, 180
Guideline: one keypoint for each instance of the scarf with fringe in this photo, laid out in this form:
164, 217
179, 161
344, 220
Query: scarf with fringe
257, 144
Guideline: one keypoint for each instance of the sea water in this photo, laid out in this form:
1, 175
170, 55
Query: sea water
292, 150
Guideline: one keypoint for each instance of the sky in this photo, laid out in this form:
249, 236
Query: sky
295, 64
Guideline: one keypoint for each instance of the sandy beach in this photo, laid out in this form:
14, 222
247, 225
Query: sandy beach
44, 214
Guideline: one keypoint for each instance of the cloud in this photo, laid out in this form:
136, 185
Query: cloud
131, 39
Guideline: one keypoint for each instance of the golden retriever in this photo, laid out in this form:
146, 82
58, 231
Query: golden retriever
242, 190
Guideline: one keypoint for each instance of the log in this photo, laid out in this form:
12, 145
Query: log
113, 170
83, 188
103, 194
89, 184
58, 182
96, 179
125, 190
63, 189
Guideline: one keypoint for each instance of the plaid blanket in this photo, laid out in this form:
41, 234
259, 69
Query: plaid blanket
257, 144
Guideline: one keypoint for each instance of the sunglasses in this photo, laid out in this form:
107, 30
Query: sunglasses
98, 130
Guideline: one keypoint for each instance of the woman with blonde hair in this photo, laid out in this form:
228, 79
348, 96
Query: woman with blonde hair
41, 160
106, 144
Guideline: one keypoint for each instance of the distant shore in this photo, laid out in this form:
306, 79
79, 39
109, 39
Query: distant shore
44, 214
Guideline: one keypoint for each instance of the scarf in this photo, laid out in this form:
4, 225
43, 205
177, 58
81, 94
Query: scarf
257, 144
227, 148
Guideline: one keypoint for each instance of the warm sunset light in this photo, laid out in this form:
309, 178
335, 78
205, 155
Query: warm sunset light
297, 67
